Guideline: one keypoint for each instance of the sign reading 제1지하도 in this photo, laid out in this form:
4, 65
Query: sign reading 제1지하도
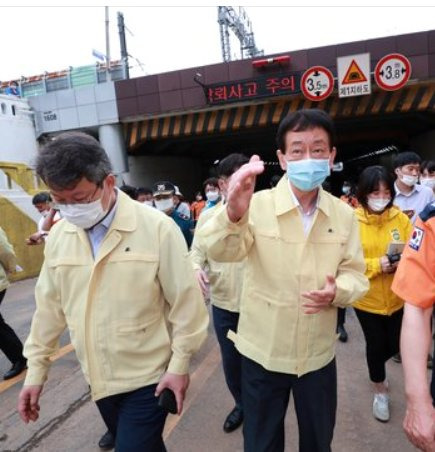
353, 75
241, 90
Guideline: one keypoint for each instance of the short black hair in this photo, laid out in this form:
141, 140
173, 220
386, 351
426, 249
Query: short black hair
230, 164
144, 191
428, 165
41, 198
406, 158
213, 181
370, 180
130, 191
302, 120
70, 157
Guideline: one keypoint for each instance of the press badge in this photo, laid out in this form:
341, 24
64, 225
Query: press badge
416, 239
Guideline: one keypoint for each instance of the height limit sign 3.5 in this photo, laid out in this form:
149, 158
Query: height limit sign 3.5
317, 83
392, 71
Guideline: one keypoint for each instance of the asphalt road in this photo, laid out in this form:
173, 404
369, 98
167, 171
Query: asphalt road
70, 422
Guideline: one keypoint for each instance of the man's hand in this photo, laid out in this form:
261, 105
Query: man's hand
28, 403
202, 278
241, 188
320, 299
178, 384
419, 426
36, 238
386, 266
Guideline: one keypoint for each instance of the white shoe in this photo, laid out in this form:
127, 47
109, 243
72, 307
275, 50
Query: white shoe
381, 408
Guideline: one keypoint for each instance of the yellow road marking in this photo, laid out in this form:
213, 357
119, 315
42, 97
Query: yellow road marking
59, 354
197, 380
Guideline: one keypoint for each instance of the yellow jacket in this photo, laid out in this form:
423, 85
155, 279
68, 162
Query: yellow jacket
133, 312
377, 232
8, 260
282, 263
225, 278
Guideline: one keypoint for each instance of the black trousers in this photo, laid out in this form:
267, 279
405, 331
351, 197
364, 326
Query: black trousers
265, 396
223, 321
135, 419
10, 343
382, 334
341, 316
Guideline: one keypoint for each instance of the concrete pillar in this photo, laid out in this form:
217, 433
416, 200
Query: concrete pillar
112, 140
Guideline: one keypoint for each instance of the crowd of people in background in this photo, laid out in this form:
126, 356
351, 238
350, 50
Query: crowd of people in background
356, 254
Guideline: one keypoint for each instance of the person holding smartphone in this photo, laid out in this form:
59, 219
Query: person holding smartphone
383, 230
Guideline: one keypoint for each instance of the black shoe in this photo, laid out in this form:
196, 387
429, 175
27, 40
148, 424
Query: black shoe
107, 441
342, 332
16, 369
233, 420
397, 358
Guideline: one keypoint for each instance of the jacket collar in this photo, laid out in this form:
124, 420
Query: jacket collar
285, 202
124, 219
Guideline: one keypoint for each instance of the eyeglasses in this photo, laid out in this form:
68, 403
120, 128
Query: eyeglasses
86, 200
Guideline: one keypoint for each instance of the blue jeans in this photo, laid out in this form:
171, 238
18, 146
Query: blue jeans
223, 321
135, 419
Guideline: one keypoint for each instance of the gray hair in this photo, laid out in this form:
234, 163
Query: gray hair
70, 157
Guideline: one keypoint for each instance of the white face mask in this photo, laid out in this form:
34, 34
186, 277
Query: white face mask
378, 204
410, 181
212, 195
346, 190
164, 204
428, 181
83, 215
148, 203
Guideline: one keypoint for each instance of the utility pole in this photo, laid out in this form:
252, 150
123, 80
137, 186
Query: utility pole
107, 44
123, 44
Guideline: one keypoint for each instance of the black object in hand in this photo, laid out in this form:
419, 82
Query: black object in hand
168, 401
393, 258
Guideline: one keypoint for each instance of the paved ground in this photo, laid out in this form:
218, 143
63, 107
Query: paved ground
70, 422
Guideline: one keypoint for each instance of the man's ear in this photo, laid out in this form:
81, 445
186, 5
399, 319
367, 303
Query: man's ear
332, 156
281, 159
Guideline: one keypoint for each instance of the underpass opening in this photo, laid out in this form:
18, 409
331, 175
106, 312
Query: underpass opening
361, 141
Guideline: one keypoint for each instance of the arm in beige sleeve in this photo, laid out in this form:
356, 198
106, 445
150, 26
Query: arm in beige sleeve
48, 323
8, 260
351, 281
226, 241
187, 315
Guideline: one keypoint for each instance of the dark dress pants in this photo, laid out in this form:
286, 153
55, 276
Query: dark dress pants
223, 321
265, 396
135, 419
10, 343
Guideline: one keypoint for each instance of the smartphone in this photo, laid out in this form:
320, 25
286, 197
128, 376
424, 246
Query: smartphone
395, 248
168, 401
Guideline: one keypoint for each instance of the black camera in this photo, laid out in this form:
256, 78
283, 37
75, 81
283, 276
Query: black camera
393, 258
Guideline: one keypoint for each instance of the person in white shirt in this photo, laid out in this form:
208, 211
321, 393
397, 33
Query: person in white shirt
410, 197
427, 177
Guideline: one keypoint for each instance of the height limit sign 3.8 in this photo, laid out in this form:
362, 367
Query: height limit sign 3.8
392, 71
317, 83
353, 73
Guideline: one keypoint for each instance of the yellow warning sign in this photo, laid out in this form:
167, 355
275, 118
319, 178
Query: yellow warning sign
354, 74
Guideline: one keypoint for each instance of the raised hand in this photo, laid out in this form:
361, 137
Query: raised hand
241, 188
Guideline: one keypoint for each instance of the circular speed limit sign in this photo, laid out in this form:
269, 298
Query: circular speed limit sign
392, 71
317, 83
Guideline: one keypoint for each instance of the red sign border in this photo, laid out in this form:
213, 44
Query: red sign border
404, 60
327, 93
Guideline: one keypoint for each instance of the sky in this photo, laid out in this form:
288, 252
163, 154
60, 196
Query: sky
165, 38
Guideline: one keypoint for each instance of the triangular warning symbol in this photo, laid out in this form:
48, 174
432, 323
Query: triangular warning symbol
354, 74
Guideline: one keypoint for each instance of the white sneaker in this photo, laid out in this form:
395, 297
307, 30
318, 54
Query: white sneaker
381, 408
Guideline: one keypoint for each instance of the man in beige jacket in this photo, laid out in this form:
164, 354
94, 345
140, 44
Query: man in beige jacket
225, 279
303, 260
118, 276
